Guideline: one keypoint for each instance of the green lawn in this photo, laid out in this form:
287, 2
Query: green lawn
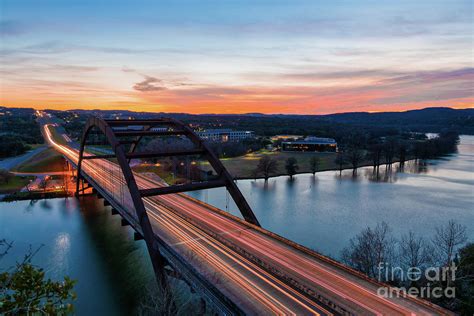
165, 175
15, 184
242, 167
46, 161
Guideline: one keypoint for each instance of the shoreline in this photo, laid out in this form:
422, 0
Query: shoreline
323, 170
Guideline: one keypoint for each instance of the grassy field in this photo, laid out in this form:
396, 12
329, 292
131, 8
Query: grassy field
15, 184
165, 175
242, 167
46, 161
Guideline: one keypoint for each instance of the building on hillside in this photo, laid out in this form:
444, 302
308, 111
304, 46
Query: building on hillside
311, 144
224, 135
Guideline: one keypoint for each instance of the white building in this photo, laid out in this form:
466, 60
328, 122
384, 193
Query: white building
224, 135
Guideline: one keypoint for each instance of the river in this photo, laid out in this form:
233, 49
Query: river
84, 241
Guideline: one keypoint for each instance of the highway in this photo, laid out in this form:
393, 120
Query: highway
236, 256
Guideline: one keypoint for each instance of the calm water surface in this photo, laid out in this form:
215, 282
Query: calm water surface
85, 242
323, 212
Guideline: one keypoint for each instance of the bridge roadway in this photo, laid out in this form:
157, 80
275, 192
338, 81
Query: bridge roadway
237, 257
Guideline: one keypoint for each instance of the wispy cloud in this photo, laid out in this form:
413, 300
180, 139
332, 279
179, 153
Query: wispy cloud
149, 84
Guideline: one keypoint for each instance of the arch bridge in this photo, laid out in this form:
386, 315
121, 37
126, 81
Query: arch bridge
232, 262
119, 134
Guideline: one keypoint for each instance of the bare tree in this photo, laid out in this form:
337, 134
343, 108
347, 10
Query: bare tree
415, 252
291, 166
402, 153
355, 157
375, 154
267, 166
43, 184
314, 163
389, 150
370, 248
447, 240
340, 161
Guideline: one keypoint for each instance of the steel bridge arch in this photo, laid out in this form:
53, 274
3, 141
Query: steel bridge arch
137, 195
143, 220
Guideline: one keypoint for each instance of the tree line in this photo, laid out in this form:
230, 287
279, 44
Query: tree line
385, 150
379, 255
17, 131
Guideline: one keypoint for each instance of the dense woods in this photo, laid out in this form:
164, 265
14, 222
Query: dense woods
18, 130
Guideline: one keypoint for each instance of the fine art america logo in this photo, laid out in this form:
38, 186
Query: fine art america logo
433, 282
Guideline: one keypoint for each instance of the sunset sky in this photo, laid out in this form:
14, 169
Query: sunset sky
304, 57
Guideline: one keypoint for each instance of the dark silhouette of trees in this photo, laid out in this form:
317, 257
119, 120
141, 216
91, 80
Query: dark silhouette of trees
415, 252
267, 166
465, 280
447, 240
291, 166
372, 251
18, 128
375, 154
389, 150
355, 156
340, 161
402, 152
369, 248
314, 163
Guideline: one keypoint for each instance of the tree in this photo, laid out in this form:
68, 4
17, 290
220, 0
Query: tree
355, 157
415, 252
314, 164
340, 161
43, 184
291, 166
266, 166
370, 248
465, 280
389, 149
447, 240
375, 154
402, 153
25, 291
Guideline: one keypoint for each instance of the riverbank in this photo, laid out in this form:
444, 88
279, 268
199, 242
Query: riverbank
20, 196
15, 184
241, 168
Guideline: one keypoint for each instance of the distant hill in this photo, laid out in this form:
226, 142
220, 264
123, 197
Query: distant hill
428, 119
424, 120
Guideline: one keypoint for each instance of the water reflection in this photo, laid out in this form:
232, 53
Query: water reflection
82, 240
324, 211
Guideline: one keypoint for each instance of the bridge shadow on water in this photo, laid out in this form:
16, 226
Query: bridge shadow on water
127, 262
128, 265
